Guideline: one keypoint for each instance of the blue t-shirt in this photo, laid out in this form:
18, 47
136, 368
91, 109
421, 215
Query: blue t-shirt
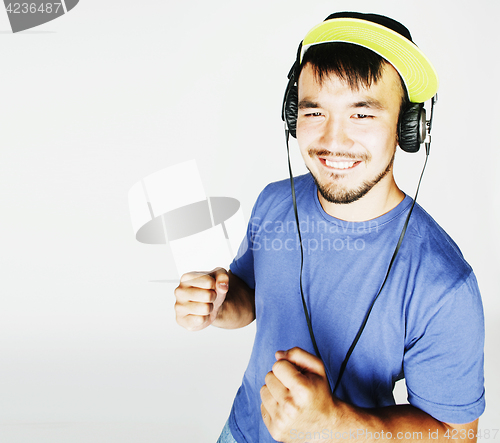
427, 325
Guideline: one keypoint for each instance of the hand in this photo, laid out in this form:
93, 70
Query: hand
199, 297
296, 397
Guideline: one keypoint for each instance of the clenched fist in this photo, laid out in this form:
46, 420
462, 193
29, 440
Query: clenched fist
199, 298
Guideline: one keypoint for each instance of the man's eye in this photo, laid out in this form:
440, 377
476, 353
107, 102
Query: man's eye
362, 116
313, 114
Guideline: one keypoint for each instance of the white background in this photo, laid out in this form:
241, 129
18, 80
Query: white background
113, 91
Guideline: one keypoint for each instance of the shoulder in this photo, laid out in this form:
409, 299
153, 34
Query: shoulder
435, 248
426, 227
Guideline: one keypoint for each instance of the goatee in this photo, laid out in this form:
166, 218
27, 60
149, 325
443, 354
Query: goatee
334, 193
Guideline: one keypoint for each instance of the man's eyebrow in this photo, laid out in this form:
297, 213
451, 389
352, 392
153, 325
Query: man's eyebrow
368, 103
307, 104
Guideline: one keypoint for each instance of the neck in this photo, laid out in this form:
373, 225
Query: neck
382, 198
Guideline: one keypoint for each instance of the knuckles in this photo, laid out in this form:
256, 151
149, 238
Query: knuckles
211, 296
205, 308
195, 309
280, 366
178, 292
290, 409
197, 280
188, 276
184, 294
193, 322
196, 321
267, 378
295, 352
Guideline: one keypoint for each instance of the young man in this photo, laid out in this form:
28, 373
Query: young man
350, 109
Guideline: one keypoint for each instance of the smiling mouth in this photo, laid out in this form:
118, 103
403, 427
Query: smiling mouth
343, 165
339, 165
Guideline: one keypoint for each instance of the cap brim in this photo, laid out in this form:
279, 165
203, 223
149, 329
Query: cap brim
418, 74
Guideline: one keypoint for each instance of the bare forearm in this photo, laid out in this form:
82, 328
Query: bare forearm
402, 423
238, 309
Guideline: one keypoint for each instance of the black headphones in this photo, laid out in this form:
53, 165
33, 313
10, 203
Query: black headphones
412, 127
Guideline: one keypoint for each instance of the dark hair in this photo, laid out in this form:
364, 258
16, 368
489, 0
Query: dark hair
353, 64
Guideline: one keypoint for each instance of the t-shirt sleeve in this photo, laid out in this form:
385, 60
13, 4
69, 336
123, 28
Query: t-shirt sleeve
444, 363
243, 264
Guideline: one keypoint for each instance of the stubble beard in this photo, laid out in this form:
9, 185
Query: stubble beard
334, 192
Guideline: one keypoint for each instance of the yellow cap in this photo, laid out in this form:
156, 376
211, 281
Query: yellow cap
416, 70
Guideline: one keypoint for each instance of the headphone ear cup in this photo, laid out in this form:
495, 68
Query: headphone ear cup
291, 110
411, 127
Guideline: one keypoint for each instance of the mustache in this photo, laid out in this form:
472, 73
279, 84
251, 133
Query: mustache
341, 154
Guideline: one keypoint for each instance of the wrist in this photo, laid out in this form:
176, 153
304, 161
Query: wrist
347, 419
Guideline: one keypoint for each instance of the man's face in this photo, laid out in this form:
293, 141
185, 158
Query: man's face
348, 137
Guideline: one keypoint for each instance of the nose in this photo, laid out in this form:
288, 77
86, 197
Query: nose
334, 136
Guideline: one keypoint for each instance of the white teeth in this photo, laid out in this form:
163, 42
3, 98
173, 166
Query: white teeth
339, 165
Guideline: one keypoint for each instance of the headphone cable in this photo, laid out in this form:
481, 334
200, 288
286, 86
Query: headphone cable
365, 320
